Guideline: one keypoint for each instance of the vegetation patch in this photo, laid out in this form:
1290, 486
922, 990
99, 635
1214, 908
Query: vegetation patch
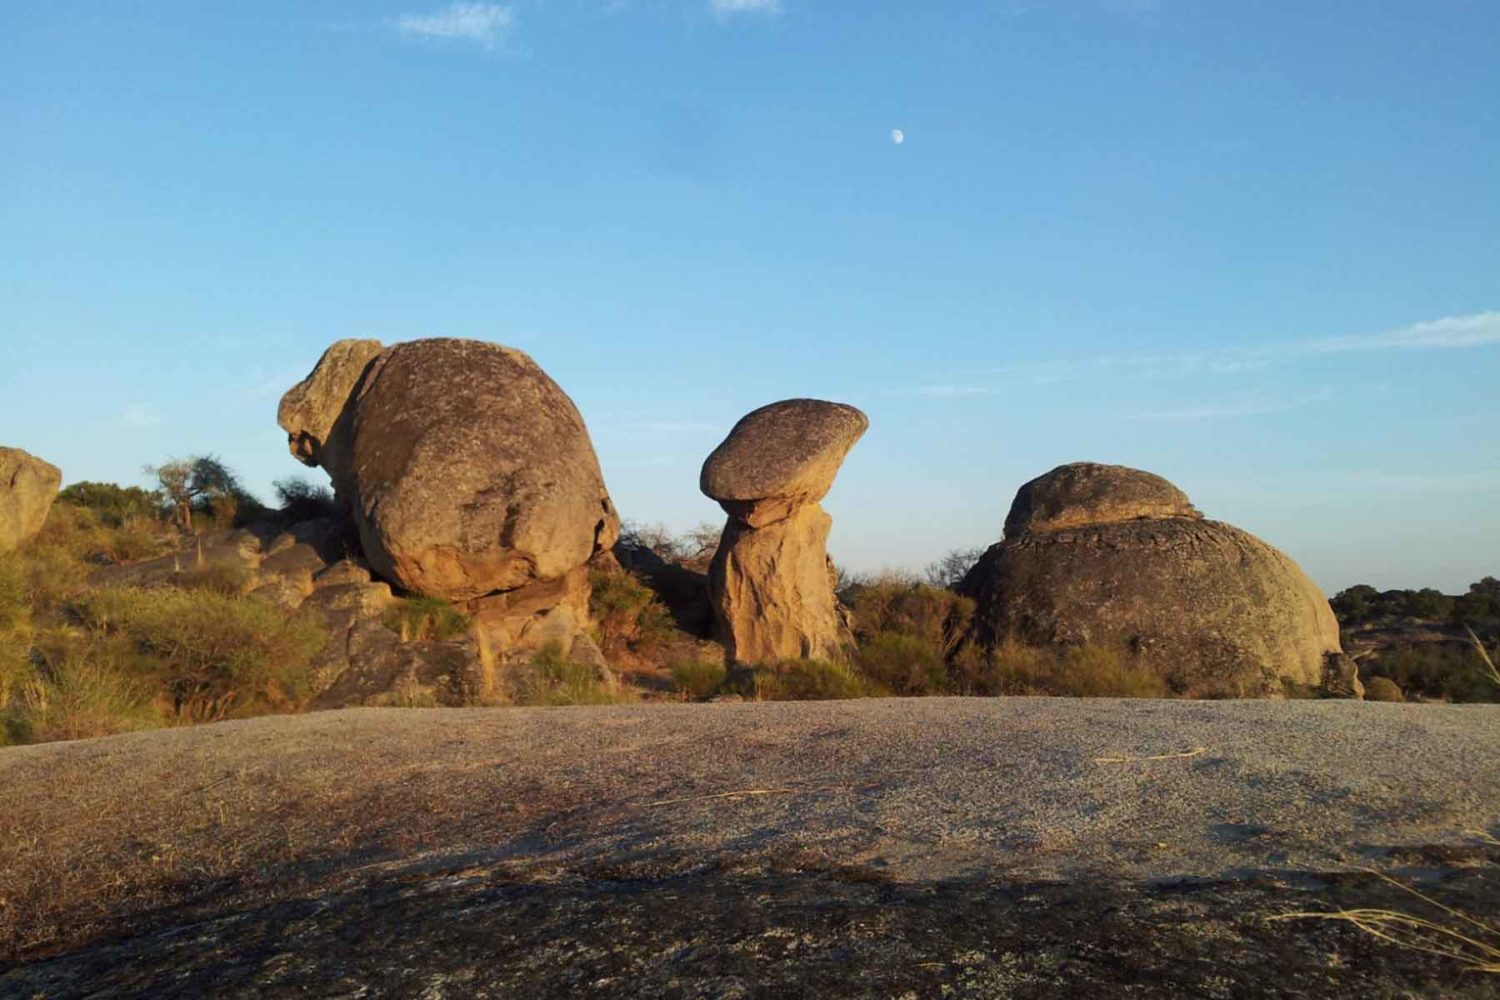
415, 618
629, 615
699, 679
553, 679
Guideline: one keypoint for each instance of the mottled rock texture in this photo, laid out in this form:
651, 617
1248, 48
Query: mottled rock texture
771, 581
781, 457
467, 469
1116, 557
28, 486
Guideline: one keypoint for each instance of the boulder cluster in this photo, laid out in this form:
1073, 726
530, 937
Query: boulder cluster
467, 474
1105, 555
771, 581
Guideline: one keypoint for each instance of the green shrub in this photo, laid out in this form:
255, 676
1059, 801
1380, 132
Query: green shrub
427, 618
893, 604
552, 679
1383, 689
903, 664
84, 687
212, 654
53, 575
807, 680
15, 606
628, 613
699, 679
302, 501
1073, 671
219, 576
114, 505
1436, 671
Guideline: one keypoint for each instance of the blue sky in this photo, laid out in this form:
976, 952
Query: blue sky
1254, 247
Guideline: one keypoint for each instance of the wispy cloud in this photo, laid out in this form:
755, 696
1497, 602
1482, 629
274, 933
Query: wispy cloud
1448, 332
950, 389
486, 23
1228, 410
139, 415
728, 8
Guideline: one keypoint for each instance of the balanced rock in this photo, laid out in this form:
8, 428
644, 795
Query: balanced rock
1104, 555
467, 470
781, 457
771, 581
28, 486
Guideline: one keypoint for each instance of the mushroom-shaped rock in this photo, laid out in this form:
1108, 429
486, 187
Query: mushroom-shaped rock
1212, 609
781, 457
1090, 493
28, 486
467, 469
771, 581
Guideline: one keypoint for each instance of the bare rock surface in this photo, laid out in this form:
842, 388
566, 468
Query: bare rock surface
771, 581
317, 414
1114, 557
28, 486
1026, 847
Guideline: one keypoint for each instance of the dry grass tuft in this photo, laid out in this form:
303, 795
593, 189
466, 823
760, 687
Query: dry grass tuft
1473, 943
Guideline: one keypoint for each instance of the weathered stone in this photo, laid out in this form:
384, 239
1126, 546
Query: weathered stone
28, 486
1213, 609
1341, 677
781, 457
1089, 493
467, 469
771, 582
316, 413
772, 590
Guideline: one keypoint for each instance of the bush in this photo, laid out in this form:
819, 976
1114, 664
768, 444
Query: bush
892, 604
211, 654
301, 500
949, 571
1383, 689
552, 679
84, 687
806, 680
1438, 671
699, 679
114, 506
219, 576
1073, 671
903, 664
427, 618
629, 615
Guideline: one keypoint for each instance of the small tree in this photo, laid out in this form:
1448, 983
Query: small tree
949, 571
196, 479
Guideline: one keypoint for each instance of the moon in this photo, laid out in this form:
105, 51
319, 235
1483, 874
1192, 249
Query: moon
898, 136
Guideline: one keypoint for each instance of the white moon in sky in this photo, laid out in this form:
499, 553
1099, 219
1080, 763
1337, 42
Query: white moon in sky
898, 136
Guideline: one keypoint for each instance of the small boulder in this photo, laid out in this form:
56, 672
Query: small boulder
28, 486
1090, 493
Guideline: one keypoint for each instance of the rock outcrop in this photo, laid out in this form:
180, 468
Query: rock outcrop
1100, 554
468, 472
28, 486
771, 581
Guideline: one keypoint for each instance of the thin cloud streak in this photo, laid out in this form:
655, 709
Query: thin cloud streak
728, 8
1223, 411
485, 23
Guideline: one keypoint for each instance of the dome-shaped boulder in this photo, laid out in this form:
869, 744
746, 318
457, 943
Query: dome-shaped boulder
1090, 493
1212, 609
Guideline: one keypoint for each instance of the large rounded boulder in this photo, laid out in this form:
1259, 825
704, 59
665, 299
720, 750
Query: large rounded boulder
28, 486
1109, 556
467, 469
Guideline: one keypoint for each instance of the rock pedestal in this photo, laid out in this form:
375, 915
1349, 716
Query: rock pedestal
771, 581
28, 486
1105, 555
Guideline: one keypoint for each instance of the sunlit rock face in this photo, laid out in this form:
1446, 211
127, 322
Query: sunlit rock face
1110, 556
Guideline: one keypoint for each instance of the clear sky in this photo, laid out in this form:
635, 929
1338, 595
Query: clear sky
1253, 246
